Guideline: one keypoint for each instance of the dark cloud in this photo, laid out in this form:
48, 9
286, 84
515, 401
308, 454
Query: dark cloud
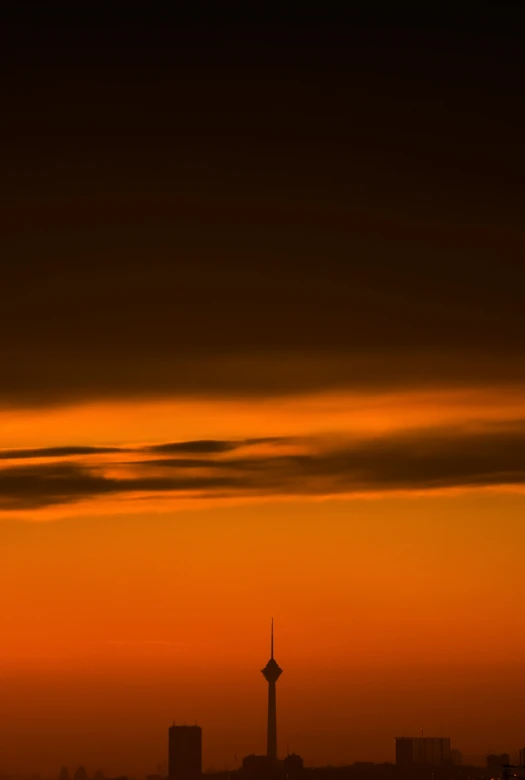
262, 210
199, 446
55, 452
210, 446
424, 460
73, 378
34, 487
204, 446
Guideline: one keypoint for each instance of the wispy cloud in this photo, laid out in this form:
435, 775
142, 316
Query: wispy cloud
193, 447
54, 452
425, 459
208, 446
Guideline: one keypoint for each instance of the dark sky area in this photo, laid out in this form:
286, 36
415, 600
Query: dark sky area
187, 203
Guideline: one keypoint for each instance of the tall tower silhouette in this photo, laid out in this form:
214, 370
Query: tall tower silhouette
272, 671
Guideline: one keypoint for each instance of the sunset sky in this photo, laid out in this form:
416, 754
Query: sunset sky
262, 354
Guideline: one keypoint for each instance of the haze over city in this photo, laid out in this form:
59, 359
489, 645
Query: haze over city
262, 356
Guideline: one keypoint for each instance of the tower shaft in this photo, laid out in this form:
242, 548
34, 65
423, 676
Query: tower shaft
271, 743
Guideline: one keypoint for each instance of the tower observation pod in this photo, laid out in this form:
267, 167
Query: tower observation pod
271, 672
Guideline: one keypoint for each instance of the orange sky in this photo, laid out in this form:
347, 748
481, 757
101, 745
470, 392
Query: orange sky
395, 609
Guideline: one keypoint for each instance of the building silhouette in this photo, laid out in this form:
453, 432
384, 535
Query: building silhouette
271, 672
264, 768
497, 762
185, 752
293, 765
522, 757
422, 751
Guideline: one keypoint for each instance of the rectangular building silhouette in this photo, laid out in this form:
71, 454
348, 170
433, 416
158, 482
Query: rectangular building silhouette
496, 762
185, 753
422, 751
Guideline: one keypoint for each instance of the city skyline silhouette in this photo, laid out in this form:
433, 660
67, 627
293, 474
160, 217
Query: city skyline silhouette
420, 756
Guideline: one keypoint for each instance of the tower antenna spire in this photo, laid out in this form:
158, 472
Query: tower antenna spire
272, 641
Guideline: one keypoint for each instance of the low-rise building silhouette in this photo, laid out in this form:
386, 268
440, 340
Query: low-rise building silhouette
185, 753
422, 751
496, 762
